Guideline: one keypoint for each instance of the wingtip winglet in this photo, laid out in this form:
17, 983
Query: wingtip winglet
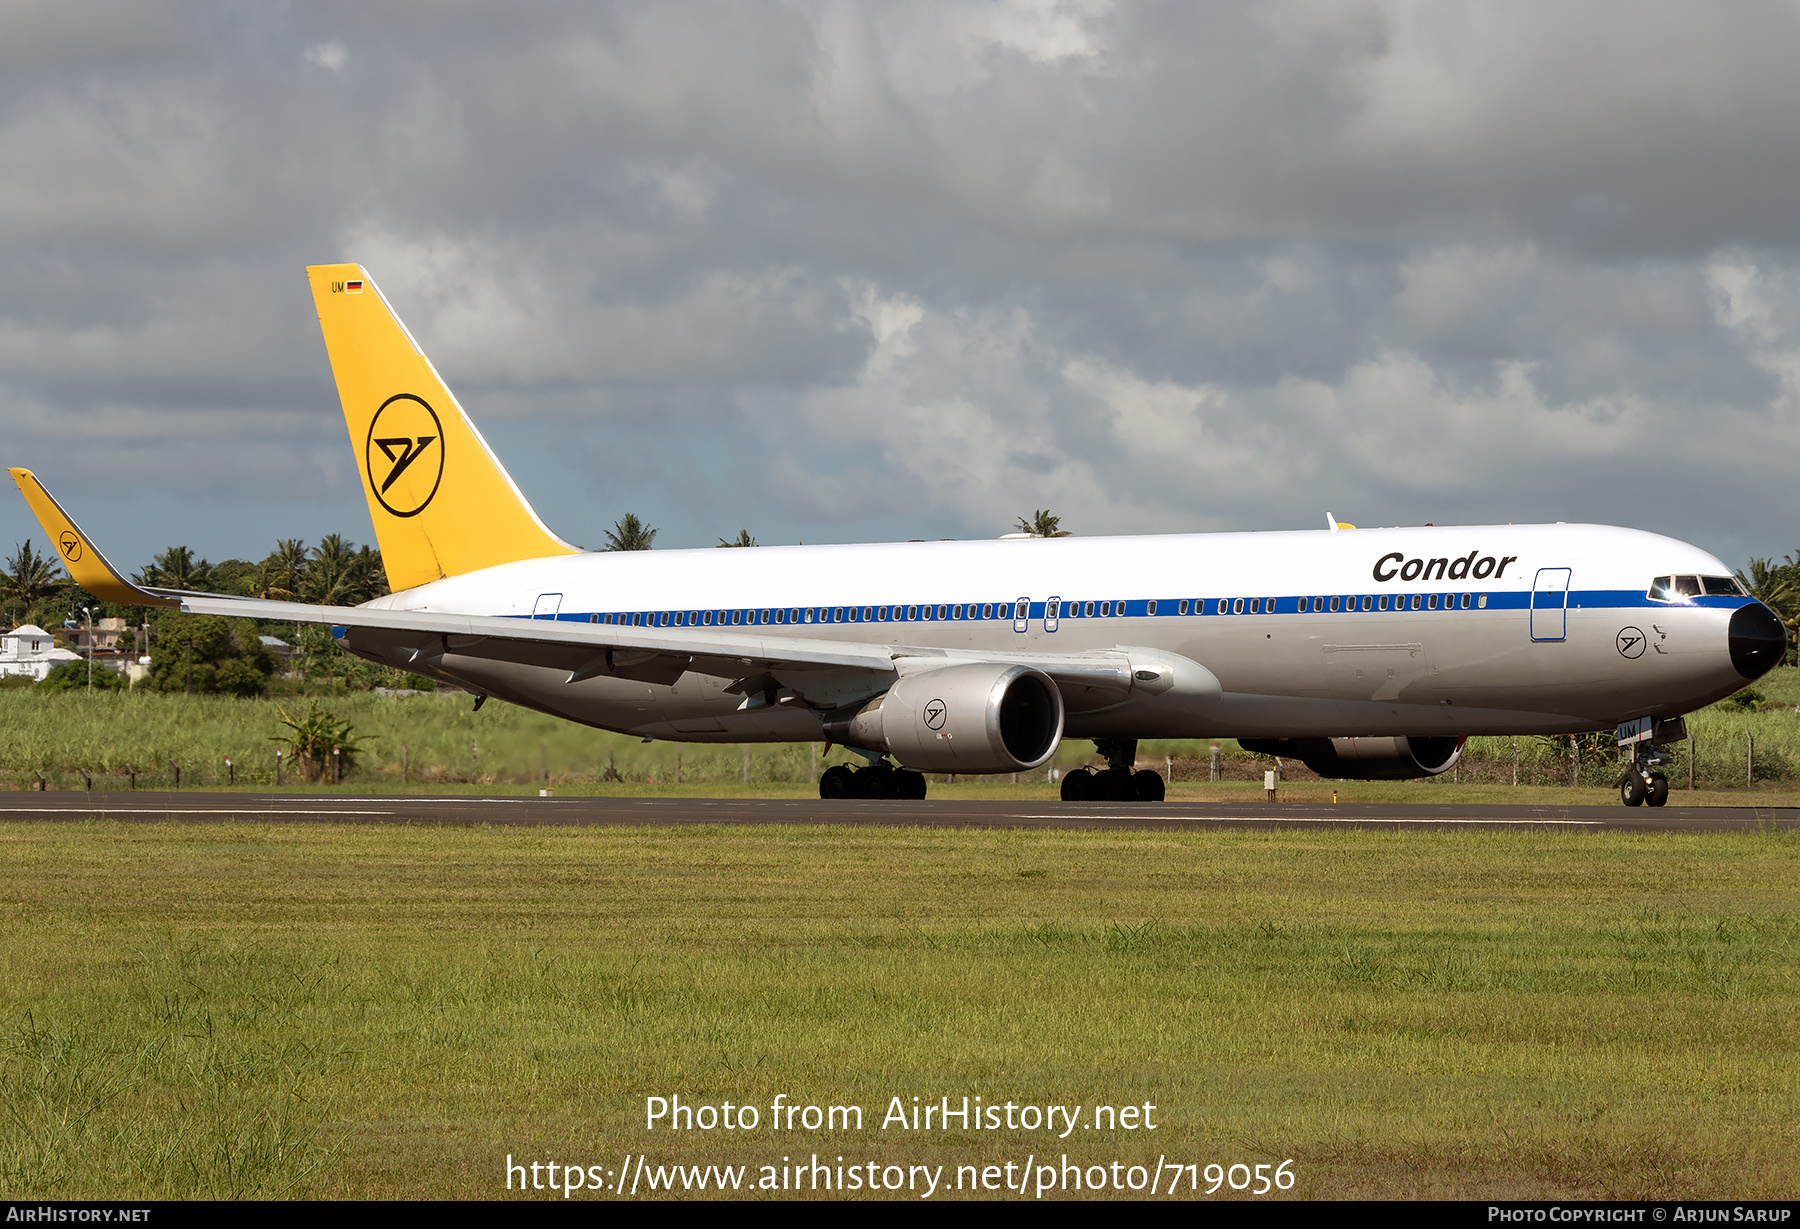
77, 551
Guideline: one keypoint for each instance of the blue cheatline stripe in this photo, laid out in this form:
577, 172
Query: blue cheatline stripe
1128, 608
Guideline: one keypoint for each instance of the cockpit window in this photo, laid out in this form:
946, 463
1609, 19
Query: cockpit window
1679, 588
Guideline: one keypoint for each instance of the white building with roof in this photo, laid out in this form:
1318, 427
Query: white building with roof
29, 650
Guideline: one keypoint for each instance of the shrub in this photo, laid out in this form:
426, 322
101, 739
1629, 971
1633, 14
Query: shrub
73, 676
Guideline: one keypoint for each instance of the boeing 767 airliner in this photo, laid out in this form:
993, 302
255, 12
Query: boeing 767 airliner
1367, 653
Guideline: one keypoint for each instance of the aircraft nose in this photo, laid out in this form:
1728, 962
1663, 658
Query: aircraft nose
1758, 640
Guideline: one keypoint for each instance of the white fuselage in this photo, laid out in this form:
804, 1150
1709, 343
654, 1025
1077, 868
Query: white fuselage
1486, 630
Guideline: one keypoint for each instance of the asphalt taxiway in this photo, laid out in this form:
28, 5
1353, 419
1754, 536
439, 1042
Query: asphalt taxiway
164, 807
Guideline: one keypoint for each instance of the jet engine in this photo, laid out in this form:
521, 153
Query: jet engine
1365, 759
980, 717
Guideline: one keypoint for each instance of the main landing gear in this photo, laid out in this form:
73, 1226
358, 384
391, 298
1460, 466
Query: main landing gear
876, 781
1639, 785
1117, 782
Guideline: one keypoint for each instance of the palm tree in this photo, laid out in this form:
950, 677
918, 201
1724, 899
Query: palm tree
743, 539
331, 578
1043, 525
176, 568
629, 533
283, 573
29, 576
371, 574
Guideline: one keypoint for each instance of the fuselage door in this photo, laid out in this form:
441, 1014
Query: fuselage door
548, 605
1550, 604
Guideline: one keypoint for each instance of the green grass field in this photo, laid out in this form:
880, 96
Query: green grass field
62, 734
390, 1011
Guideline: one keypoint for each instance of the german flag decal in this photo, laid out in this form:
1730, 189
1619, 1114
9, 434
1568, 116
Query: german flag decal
352, 287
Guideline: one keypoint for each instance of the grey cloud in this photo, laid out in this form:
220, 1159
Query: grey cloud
910, 269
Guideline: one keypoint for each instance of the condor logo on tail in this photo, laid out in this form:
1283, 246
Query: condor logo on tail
404, 456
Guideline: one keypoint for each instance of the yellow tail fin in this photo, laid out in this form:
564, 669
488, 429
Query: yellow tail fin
440, 500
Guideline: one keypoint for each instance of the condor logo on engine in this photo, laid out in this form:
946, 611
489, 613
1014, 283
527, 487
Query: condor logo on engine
935, 712
1472, 565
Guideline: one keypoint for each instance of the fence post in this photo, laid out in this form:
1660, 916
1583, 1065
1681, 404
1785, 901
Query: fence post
1691, 751
1168, 768
336, 765
176, 769
278, 756
814, 748
746, 763
230, 772
474, 765
41, 783
1215, 761
131, 775
1515, 763
87, 780
677, 768
403, 763
1749, 759
1575, 761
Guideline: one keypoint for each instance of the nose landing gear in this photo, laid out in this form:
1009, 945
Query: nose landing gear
1640, 784
1117, 782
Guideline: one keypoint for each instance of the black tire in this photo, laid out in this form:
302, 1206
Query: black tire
1113, 785
838, 781
875, 782
1078, 785
909, 785
1659, 790
1147, 786
1633, 789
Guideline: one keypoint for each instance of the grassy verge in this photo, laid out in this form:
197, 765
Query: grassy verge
444, 742
331, 1011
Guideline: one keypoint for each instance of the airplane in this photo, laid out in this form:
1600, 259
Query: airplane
1363, 653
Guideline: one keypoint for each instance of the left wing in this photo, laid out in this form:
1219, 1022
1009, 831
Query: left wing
824, 672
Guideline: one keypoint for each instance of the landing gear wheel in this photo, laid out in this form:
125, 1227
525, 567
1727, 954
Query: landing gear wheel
837, 781
1078, 785
1113, 785
909, 785
1147, 786
1659, 790
875, 782
1633, 789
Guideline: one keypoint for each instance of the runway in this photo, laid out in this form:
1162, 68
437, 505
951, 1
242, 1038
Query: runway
149, 807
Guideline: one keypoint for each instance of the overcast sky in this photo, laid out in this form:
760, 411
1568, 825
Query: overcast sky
844, 272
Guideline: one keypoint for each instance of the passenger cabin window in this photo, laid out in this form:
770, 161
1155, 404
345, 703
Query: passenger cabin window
1181, 607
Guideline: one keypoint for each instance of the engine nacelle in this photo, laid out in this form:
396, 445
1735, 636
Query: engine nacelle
981, 717
1365, 759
